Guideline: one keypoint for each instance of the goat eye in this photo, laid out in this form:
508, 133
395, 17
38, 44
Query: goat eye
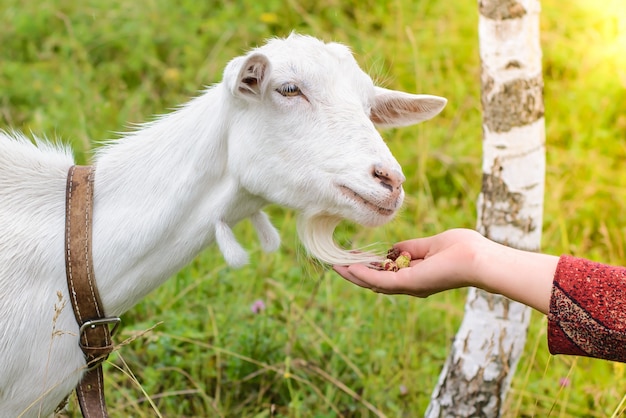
289, 90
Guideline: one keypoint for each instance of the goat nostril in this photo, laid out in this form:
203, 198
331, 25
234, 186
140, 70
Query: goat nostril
389, 179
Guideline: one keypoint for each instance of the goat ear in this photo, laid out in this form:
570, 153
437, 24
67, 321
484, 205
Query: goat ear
395, 108
248, 76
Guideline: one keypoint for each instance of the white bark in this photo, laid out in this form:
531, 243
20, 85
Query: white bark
487, 347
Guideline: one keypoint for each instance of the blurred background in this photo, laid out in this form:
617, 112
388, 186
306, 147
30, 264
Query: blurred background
285, 336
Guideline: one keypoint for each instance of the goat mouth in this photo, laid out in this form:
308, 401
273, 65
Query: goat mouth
352, 195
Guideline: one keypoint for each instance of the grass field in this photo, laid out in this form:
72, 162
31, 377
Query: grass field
321, 347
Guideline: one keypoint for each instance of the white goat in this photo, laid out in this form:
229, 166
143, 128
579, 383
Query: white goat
291, 123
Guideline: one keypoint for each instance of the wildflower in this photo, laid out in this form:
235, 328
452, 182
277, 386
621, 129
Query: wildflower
257, 306
564, 382
171, 75
269, 18
403, 390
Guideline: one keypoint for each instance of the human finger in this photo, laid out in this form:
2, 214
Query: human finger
419, 248
344, 272
381, 281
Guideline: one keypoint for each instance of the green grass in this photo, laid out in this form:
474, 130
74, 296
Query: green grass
80, 71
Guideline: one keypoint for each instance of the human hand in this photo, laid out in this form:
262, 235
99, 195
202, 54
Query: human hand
458, 258
441, 262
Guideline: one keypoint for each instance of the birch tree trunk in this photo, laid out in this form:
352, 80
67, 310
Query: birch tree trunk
484, 355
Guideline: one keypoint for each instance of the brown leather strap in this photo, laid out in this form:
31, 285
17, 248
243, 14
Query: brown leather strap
90, 394
95, 336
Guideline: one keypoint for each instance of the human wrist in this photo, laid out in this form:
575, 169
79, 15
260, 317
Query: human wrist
484, 273
523, 276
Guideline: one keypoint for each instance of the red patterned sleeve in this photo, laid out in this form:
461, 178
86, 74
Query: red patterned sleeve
588, 310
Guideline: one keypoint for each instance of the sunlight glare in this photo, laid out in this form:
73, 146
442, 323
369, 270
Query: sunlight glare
609, 22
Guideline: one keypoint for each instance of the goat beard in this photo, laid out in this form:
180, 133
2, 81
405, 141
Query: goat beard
316, 234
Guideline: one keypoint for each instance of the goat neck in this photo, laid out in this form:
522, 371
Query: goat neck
159, 194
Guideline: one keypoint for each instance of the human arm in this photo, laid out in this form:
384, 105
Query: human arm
584, 300
460, 258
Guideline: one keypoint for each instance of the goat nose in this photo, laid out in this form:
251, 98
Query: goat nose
389, 178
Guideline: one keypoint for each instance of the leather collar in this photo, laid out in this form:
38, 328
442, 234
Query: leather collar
95, 334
